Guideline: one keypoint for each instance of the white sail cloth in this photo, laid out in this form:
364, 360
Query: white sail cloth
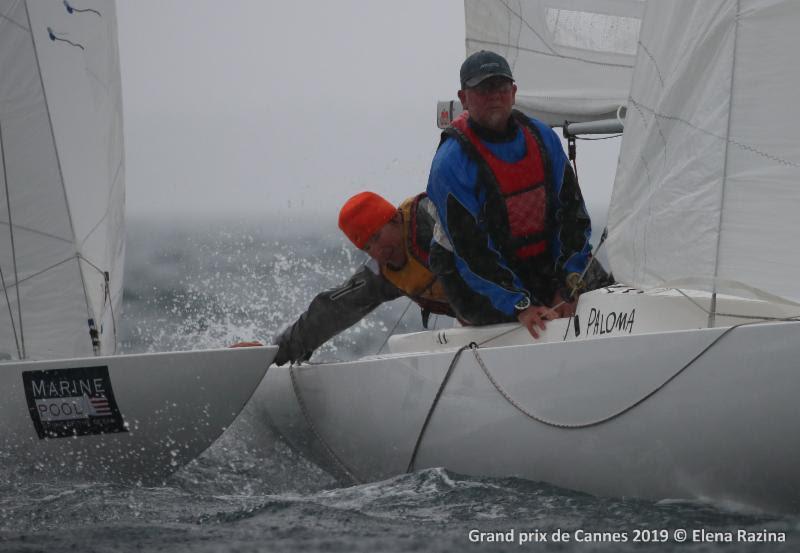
61, 178
708, 183
571, 59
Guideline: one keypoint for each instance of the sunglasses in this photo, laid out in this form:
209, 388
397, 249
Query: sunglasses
488, 86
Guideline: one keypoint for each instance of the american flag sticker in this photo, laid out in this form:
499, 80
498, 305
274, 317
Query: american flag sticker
69, 402
100, 406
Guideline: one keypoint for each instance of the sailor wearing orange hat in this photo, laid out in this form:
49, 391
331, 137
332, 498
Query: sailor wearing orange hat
397, 241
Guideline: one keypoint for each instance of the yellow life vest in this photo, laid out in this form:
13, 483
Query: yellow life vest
415, 279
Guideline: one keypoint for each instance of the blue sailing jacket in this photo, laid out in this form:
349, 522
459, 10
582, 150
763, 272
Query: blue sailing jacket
467, 213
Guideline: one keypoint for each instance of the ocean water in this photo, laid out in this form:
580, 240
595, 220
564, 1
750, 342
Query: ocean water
198, 284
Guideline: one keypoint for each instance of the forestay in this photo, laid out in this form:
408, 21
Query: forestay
708, 183
61, 178
572, 60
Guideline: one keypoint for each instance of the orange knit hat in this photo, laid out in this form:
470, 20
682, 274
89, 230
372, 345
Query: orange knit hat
363, 215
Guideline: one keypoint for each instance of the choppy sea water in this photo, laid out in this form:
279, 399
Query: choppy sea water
192, 285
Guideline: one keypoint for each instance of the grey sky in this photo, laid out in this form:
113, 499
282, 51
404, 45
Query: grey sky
259, 106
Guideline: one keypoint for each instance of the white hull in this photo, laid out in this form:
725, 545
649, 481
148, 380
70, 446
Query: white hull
725, 428
167, 408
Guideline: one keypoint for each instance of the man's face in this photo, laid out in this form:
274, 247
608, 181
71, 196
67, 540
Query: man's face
490, 102
386, 246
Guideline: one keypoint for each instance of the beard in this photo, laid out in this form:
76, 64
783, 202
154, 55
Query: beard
495, 119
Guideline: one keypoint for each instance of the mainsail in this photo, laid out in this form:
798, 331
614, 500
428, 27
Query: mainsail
61, 179
708, 184
572, 60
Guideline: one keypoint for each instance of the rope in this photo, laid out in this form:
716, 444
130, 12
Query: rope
495, 337
107, 295
452, 366
583, 274
317, 435
588, 424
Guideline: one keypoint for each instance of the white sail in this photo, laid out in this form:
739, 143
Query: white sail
708, 183
61, 178
572, 60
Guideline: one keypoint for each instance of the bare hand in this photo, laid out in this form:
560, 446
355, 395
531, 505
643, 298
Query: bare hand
534, 317
246, 344
566, 309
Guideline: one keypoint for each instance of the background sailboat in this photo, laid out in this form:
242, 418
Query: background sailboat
62, 191
61, 262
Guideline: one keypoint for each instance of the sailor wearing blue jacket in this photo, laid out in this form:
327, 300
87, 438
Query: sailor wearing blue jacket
512, 229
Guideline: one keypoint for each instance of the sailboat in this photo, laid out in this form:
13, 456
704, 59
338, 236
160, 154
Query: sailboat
681, 382
71, 405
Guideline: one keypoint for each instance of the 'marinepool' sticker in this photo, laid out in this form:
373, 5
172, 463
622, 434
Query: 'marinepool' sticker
72, 402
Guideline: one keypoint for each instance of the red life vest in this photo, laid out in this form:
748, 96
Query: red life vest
521, 186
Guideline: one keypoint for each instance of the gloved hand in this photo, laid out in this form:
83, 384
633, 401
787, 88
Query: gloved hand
286, 354
282, 356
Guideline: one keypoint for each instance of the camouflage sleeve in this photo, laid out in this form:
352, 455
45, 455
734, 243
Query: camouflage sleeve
334, 311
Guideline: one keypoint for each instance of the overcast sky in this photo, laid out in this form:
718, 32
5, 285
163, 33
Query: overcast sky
260, 106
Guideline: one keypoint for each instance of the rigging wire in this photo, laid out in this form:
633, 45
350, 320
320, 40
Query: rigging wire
391, 332
10, 313
21, 341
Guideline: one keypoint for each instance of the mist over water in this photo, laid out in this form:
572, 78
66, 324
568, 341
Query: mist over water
202, 284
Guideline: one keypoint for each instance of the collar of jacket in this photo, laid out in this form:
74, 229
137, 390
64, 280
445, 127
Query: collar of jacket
509, 134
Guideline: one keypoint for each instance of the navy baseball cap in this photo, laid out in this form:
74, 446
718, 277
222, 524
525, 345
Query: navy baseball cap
482, 65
